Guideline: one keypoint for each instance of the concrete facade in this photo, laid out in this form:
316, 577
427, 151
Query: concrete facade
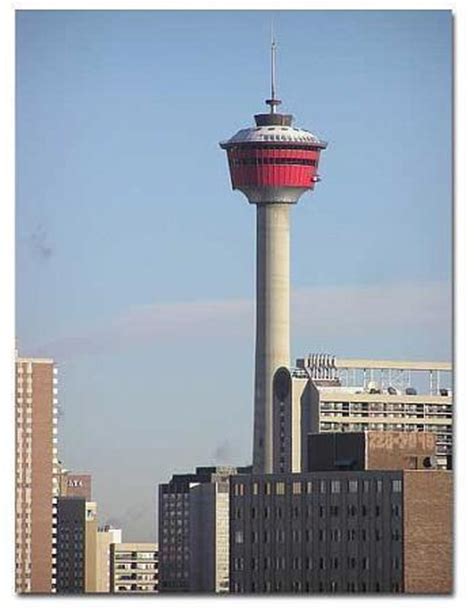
90, 547
209, 537
191, 538
272, 348
105, 537
350, 395
134, 568
37, 474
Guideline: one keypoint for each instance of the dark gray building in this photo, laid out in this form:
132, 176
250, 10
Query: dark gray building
70, 549
317, 532
193, 530
373, 515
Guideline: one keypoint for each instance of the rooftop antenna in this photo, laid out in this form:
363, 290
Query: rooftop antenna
273, 102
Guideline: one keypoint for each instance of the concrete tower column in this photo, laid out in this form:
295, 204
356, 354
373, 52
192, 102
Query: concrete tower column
272, 348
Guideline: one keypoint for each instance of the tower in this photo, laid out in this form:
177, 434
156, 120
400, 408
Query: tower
273, 164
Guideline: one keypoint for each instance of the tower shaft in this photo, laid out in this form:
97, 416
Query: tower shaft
272, 348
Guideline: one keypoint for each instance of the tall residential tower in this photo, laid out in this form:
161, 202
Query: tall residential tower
273, 164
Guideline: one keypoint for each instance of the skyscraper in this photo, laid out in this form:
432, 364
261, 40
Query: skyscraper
37, 475
272, 164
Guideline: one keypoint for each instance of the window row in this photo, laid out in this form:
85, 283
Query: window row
271, 161
309, 487
280, 563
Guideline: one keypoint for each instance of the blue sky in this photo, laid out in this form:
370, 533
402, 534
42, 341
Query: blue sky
135, 260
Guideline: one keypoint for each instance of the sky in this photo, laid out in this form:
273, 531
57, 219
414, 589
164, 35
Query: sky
135, 262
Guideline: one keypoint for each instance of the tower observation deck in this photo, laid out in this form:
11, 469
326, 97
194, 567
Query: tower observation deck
272, 164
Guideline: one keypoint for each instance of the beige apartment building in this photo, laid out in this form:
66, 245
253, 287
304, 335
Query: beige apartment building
326, 394
106, 535
36, 474
133, 568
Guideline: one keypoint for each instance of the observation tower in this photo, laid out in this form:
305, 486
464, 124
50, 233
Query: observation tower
273, 164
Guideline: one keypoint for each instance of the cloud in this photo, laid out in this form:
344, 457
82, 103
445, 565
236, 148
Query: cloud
335, 310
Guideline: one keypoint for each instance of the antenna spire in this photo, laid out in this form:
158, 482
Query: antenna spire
273, 102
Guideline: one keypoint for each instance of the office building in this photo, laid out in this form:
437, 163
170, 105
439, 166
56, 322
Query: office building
273, 164
209, 536
106, 535
366, 530
324, 393
134, 568
174, 529
71, 545
36, 474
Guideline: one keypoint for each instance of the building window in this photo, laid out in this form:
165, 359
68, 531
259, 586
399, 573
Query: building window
335, 534
379, 485
353, 485
255, 488
322, 486
321, 511
334, 510
296, 487
280, 488
239, 536
335, 486
365, 563
296, 536
396, 485
396, 535
396, 511
268, 488
295, 511
309, 487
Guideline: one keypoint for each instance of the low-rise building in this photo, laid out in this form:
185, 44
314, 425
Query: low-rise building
134, 568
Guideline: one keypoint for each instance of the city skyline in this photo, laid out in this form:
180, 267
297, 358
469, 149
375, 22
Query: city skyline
172, 323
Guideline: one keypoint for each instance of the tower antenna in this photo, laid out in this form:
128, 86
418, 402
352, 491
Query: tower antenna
273, 102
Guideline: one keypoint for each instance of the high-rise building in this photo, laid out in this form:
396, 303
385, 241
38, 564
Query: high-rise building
179, 545
324, 393
134, 568
272, 164
343, 530
37, 474
71, 545
106, 535
209, 536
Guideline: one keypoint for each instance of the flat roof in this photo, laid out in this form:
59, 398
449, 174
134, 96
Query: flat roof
400, 365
